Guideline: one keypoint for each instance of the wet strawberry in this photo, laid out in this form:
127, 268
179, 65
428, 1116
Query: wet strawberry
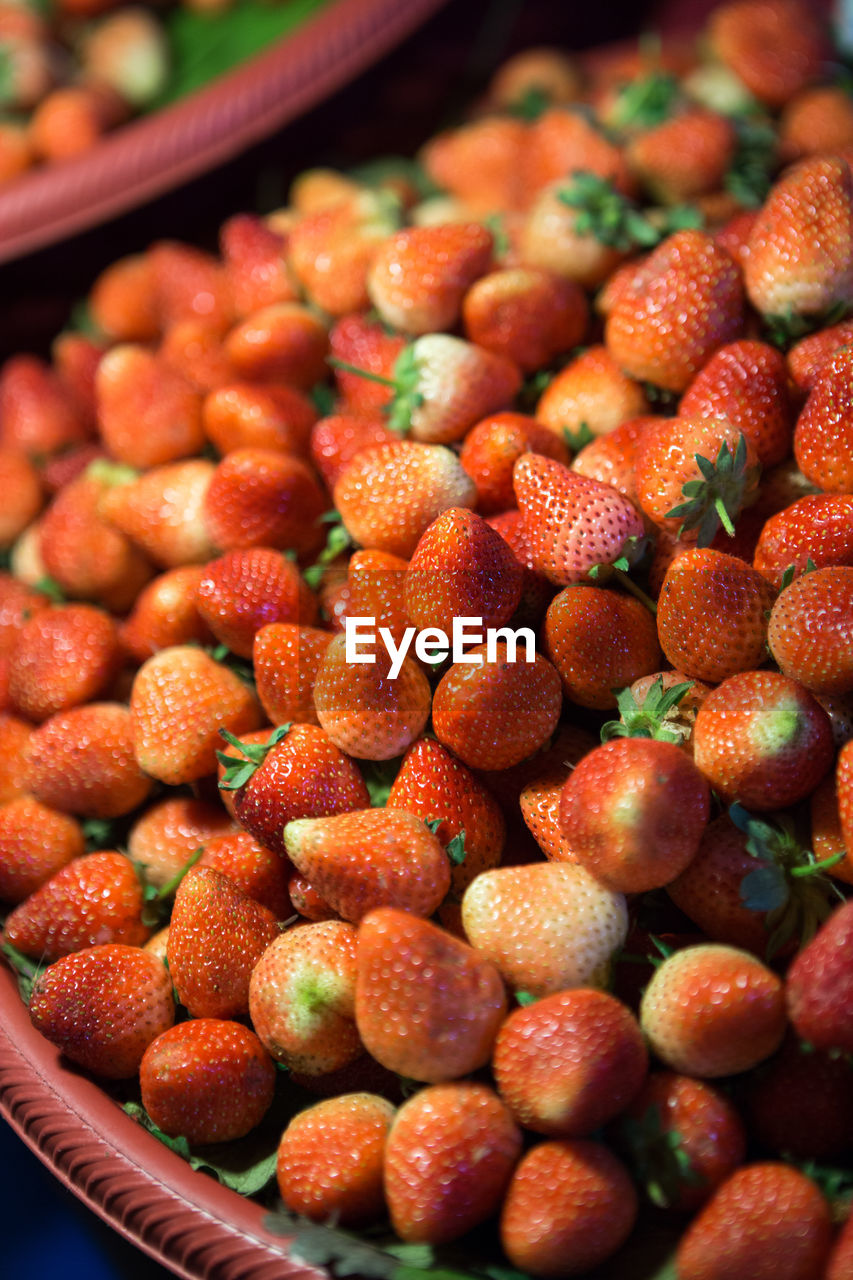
35, 842
285, 659
166, 835
247, 589
364, 711
43, 680
591, 392
525, 313
600, 640
809, 631
461, 568
248, 415
263, 498
83, 761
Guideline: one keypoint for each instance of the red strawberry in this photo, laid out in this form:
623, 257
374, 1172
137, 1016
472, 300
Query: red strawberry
810, 630
249, 588
448, 1159
480, 162
188, 283
490, 449
562, 141
247, 415
207, 1080
371, 858
94, 899
808, 358
23, 499
800, 1104
14, 736
600, 640
817, 527
774, 46
259, 872
162, 512
217, 934
253, 259
165, 613
685, 156
35, 842
611, 458
591, 392
285, 658
37, 415
355, 341
170, 831
376, 587
747, 384
263, 498
284, 342
819, 985
122, 300
768, 1221
331, 251
822, 436
103, 1006
148, 414
42, 680
419, 276
529, 315
427, 1005
461, 568
83, 761
336, 440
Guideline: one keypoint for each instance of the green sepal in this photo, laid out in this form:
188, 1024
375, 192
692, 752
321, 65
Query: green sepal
524, 998
646, 102
784, 329
577, 440
27, 971
456, 850
338, 540
716, 499
50, 587
533, 103
753, 165
615, 221
501, 243
646, 720
407, 397
662, 1165
252, 755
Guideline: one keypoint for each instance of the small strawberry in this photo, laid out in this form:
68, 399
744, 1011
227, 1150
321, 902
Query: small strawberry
285, 658
808, 358
819, 985
217, 934
774, 47
14, 736
800, 1104
259, 872
419, 276
36, 411
41, 678
103, 1006
35, 842
83, 761
336, 439
122, 300
255, 271
529, 315
376, 586
810, 630
817, 121
611, 458
331, 252
590, 392
491, 448
355, 342
564, 140
600, 640
746, 383
264, 498
284, 342
194, 349
331, 1158
148, 414
371, 858
162, 511
23, 497
166, 835
561, 234
816, 528
480, 162
188, 283
822, 436
712, 1010
207, 1080
165, 613
449, 1156
685, 156
247, 589
427, 1005
94, 899
248, 415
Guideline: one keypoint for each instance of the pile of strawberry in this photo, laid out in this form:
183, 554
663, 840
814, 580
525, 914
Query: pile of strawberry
556, 940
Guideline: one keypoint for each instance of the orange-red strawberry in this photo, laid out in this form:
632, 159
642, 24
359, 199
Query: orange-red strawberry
367, 346
480, 162
817, 527
14, 735
435, 786
65, 655
94, 899
376, 588
553, 237
294, 772
536, 590
599, 640
336, 440
800, 254
547, 926
810, 630
800, 1104
302, 997
712, 614
165, 613
525, 313
808, 357
684, 156
285, 658
817, 121
263, 498
331, 252
371, 858
573, 523
331, 1157
389, 496
763, 740
364, 711
193, 348
285, 342
746, 383
162, 511
35, 842
491, 448
207, 1080
546, 73
819, 985
569, 1062
103, 1006
448, 1159
306, 901
170, 831
539, 802
493, 711
563, 141
38, 417
461, 568
21, 491
591, 391
217, 934
18, 604
433, 1030
570, 1205
188, 284
253, 256
246, 415
83, 761
684, 1138
180, 700
844, 784
712, 1010
76, 358
122, 300
682, 303
774, 46
633, 812
767, 1220
823, 437
148, 414
249, 588
259, 872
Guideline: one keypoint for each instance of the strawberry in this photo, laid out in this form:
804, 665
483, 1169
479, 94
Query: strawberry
558, 237
285, 658
376, 585
461, 568
547, 926
166, 835
564, 140
18, 603
41, 679
491, 448
808, 358
590, 391
356, 342
817, 527
684, 1138
180, 700
819, 985
253, 258
165, 613
449, 1156
263, 498
800, 257
703, 584
83, 761
573, 523
683, 157
148, 414
194, 349
817, 121
365, 712
188, 283
295, 772
94, 899
390, 495
122, 300
419, 276
820, 1125
285, 342
370, 858
761, 738
529, 315
633, 812
480, 162
161, 511
302, 997
435, 786
546, 74
682, 303
773, 46
103, 1006
493, 712
844, 784
37, 415
248, 588
426, 1004
336, 439
599, 640
22, 495
76, 358
331, 252
217, 934
207, 1080
569, 1062
822, 439
259, 872
746, 383
331, 1158
14, 736
536, 590
539, 802
248, 415
35, 842
766, 1220
809, 631
712, 1010
570, 1205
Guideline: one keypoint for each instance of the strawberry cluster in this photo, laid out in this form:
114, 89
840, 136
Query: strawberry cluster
554, 941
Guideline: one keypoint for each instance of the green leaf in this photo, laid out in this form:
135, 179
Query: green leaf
764, 889
646, 102
324, 398
338, 540
433, 824
50, 587
456, 849
376, 173
379, 778
533, 103
240, 769
718, 498
577, 440
608, 215
246, 1166
407, 397
754, 162
27, 971
322, 1245
524, 998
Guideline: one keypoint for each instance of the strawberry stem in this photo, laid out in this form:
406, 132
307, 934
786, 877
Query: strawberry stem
362, 373
625, 580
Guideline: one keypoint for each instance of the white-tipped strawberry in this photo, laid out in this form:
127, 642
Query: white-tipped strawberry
574, 523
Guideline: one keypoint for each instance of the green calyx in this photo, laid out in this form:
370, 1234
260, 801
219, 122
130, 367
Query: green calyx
755, 159
614, 220
338, 540
645, 103
240, 769
404, 384
716, 500
659, 1158
653, 718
